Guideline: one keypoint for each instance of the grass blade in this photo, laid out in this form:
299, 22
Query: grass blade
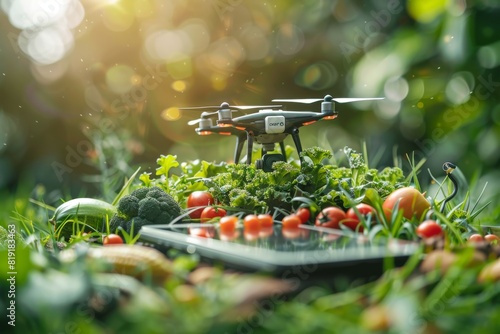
125, 187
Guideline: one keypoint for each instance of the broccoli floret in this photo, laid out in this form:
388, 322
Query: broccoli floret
149, 208
171, 207
163, 206
144, 206
164, 218
140, 193
134, 225
128, 206
117, 221
156, 192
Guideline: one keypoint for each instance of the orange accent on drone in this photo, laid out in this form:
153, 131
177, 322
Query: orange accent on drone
308, 123
205, 133
330, 117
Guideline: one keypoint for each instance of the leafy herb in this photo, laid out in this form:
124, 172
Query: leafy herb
244, 187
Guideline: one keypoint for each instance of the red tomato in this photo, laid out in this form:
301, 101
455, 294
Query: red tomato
304, 214
265, 220
211, 212
352, 223
112, 239
363, 209
491, 238
251, 223
410, 200
476, 238
330, 217
429, 229
291, 221
227, 224
199, 199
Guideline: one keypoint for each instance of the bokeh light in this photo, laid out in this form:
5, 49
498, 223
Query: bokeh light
459, 88
488, 56
45, 26
120, 78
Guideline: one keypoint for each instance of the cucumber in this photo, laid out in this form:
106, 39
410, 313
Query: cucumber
90, 214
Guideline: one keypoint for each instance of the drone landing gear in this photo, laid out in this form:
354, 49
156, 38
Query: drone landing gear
267, 160
296, 140
240, 140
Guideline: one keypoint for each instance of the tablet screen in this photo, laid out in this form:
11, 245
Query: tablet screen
275, 247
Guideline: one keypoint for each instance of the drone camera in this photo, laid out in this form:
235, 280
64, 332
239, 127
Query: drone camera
267, 161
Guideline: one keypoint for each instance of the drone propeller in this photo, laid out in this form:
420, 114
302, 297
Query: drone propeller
329, 98
195, 121
204, 116
226, 105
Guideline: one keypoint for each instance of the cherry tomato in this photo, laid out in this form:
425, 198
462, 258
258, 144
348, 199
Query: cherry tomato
352, 223
429, 229
491, 238
364, 210
265, 220
330, 217
476, 238
199, 199
304, 214
291, 221
211, 212
112, 239
251, 223
227, 224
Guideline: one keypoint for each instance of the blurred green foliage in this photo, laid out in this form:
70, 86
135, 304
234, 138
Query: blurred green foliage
91, 89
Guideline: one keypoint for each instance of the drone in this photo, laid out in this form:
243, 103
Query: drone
268, 126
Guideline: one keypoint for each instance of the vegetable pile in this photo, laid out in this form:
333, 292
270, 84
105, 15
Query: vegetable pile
92, 249
144, 206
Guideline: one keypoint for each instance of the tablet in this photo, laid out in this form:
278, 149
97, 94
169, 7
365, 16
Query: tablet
314, 250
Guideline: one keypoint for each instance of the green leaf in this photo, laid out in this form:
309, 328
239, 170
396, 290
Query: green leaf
166, 162
316, 154
209, 169
145, 178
